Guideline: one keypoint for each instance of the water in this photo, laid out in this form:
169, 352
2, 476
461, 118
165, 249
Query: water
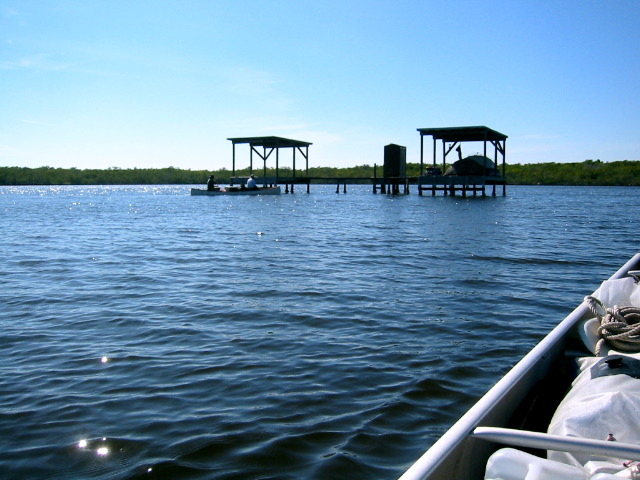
150, 334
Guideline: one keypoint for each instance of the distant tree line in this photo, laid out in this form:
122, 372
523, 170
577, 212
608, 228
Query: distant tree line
589, 172
111, 176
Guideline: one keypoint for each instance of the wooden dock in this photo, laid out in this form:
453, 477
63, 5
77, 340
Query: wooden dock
447, 184
288, 182
453, 184
471, 175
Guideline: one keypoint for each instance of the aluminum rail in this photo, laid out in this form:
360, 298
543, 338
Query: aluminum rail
559, 443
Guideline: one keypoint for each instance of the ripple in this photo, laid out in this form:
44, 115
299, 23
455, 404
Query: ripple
339, 344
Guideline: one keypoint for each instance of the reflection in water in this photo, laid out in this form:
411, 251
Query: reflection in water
100, 449
299, 336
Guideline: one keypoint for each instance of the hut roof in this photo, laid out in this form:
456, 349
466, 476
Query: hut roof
463, 134
270, 142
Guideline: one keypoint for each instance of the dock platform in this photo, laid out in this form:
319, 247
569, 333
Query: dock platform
452, 184
447, 184
470, 175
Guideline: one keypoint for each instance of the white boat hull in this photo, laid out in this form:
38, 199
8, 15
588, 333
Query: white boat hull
236, 191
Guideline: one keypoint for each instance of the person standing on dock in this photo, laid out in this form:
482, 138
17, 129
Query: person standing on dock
251, 183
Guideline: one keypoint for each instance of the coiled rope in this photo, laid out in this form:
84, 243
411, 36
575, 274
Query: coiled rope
619, 326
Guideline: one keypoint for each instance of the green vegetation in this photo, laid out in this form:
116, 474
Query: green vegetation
160, 176
111, 176
589, 172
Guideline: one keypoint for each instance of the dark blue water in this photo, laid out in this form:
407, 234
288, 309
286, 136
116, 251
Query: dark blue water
150, 334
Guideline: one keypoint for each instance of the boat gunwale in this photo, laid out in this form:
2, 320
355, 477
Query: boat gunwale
533, 363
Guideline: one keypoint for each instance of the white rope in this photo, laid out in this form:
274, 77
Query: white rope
619, 326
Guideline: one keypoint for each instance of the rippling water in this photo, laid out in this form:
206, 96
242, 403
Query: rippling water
150, 334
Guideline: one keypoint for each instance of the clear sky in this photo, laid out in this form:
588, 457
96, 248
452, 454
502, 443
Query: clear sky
158, 83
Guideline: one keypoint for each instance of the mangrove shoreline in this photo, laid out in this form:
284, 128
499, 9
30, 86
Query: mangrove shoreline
587, 173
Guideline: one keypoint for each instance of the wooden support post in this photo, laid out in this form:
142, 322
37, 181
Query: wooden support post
421, 153
264, 163
434, 152
233, 160
484, 168
375, 179
344, 187
504, 153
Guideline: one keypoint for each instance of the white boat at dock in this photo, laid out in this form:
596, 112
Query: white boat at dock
522, 427
236, 191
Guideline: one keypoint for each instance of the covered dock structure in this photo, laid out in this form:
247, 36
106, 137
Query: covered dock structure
434, 178
263, 148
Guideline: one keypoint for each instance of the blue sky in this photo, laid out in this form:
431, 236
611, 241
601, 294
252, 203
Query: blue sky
152, 84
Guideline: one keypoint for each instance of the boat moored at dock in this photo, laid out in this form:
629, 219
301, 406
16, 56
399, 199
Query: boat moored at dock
236, 190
